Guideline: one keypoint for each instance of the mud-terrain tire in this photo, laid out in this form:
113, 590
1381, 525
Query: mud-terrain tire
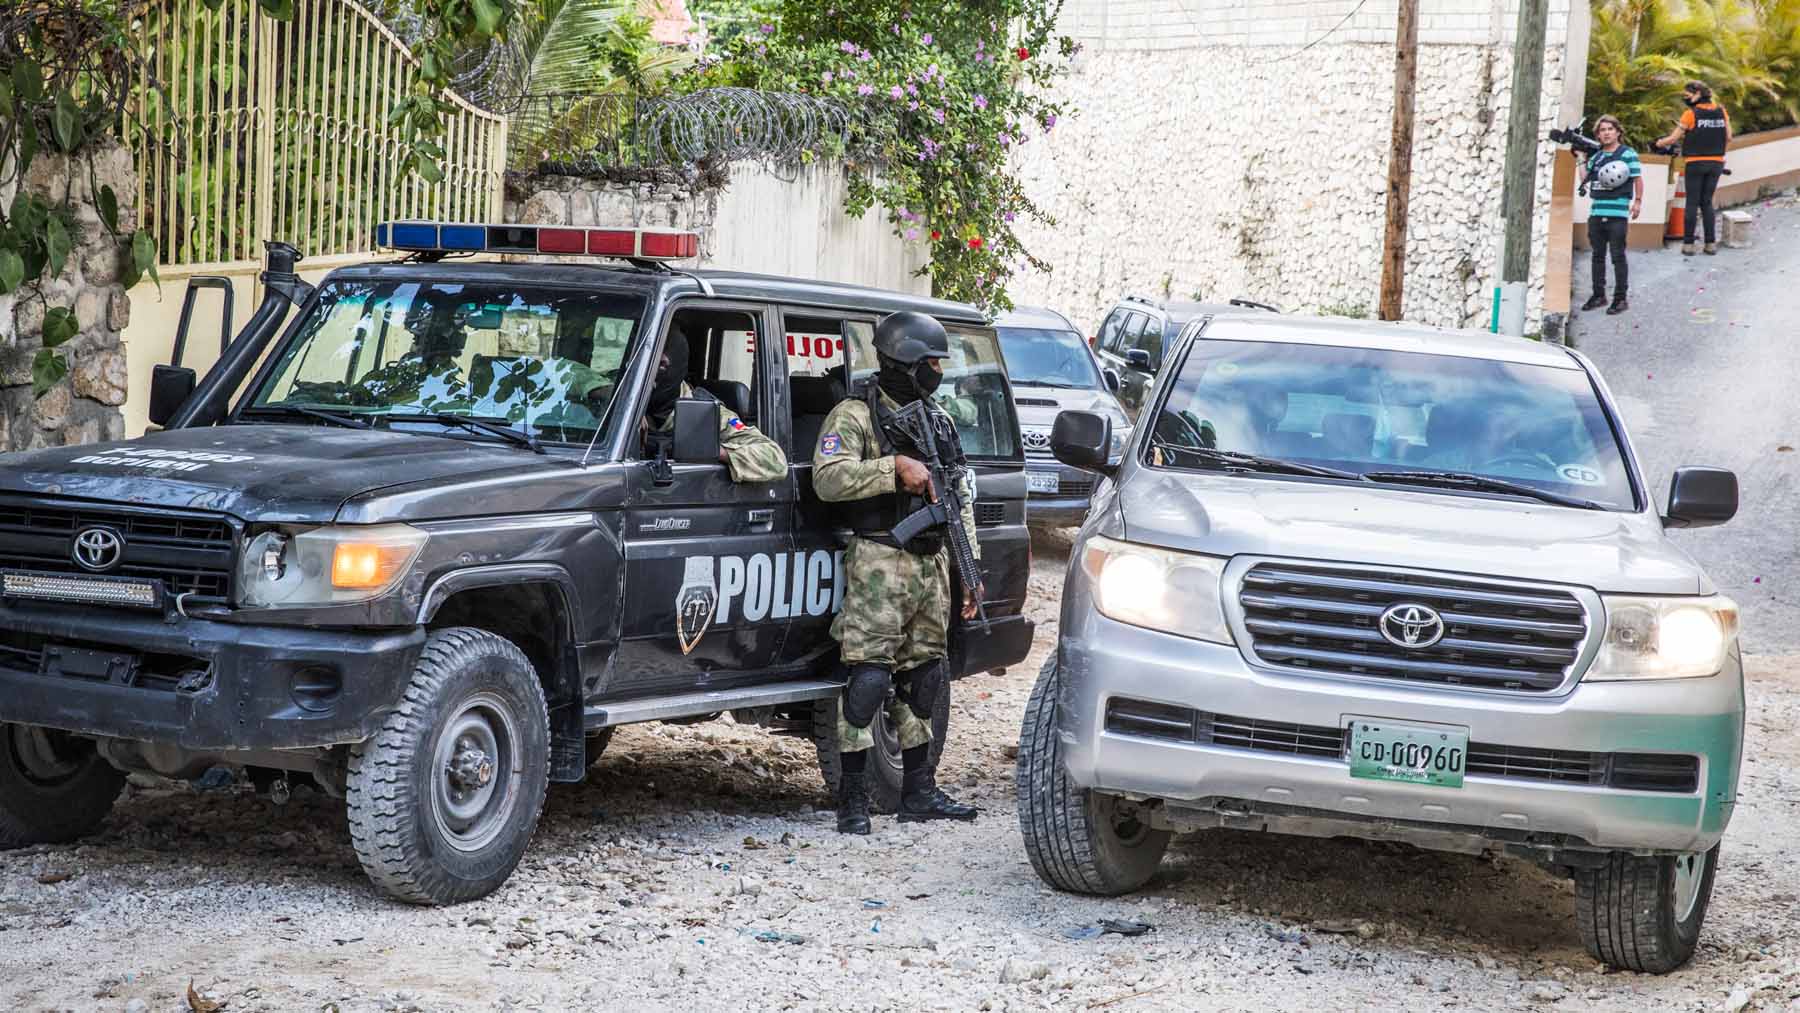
882, 772
1076, 839
444, 799
54, 787
1643, 913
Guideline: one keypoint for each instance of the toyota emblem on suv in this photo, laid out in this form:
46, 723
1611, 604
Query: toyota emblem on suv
1036, 439
1415, 627
98, 549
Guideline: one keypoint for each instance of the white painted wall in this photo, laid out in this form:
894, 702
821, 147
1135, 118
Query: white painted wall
772, 221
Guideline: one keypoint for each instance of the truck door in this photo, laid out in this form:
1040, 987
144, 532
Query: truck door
707, 596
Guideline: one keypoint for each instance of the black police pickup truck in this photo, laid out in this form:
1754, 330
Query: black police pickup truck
411, 546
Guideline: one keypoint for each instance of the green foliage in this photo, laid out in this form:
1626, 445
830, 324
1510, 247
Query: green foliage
1642, 52
67, 68
456, 25
941, 91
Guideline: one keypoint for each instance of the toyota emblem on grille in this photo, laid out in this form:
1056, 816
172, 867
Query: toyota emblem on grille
1412, 626
1036, 439
98, 549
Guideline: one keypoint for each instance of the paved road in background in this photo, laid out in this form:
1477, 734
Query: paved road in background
1706, 367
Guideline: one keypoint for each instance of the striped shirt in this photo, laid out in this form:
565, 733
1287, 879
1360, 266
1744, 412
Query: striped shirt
1614, 207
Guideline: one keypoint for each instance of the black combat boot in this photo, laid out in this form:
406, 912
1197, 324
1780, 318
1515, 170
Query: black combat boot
852, 793
920, 797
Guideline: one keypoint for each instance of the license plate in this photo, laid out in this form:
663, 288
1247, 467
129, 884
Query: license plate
1416, 754
1042, 481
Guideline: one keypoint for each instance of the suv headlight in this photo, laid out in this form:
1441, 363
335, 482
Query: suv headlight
326, 566
1175, 592
1664, 638
1120, 437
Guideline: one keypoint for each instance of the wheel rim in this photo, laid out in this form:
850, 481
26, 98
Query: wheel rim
45, 758
1690, 871
474, 775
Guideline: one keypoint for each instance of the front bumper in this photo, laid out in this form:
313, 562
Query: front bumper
199, 684
1068, 506
1102, 660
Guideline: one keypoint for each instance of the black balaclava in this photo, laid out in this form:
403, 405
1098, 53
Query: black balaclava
906, 384
667, 385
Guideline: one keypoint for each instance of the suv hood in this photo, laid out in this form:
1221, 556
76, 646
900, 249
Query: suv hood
1038, 406
274, 473
1506, 538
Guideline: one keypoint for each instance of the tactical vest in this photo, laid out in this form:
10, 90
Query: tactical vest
1707, 137
874, 517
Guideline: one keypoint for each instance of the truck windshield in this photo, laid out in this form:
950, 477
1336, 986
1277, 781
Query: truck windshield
544, 360
974, 390
1038, 357
1396, 416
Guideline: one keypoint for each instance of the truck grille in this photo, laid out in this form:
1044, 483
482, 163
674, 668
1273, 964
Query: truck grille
1493, 636
191, 553
1660, 772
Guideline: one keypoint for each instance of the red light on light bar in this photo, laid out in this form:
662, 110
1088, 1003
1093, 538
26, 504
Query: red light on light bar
670, 244
562, 241
612, 242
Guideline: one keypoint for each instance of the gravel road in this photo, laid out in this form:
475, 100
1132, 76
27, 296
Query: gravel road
698, 869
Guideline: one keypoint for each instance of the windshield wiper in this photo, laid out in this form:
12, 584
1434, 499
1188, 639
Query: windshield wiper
348, 421
1251, 462
1465, 480
472, 424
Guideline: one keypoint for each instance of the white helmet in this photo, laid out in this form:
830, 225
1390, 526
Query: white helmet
1613, 174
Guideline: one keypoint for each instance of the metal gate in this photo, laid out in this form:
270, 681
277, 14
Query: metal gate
259, 129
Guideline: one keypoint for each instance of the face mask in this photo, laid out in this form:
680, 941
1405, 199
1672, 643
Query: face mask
926, 378
667, 388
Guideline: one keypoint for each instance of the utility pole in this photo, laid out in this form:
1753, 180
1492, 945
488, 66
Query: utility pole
1520, 190
1400, 145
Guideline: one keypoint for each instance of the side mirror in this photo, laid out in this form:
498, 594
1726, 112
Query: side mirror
1138, 358
1111, 376
1701, 497
1081, 440
169, 387
696, 431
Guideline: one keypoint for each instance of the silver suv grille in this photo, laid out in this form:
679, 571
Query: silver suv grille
1494, 636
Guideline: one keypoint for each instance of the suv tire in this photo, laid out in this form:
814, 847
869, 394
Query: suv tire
882, 773
434, 816
1643, 913
1076, 839
54, 787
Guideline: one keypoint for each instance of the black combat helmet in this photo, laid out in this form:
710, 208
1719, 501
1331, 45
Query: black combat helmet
903, 343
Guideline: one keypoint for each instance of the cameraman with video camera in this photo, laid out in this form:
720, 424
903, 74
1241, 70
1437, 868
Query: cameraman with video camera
1703, 133
1612, 179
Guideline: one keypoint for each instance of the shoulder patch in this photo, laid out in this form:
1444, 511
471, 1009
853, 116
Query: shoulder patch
737, 424
829, 443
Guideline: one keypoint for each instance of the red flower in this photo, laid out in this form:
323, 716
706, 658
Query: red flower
936, 235
975, 243
1024, 54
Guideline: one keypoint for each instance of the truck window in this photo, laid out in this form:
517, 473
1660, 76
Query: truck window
722, 356
1108, 338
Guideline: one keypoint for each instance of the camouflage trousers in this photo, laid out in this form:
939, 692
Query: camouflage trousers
896, 614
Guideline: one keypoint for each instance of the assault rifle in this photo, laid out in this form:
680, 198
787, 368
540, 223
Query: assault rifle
919, 424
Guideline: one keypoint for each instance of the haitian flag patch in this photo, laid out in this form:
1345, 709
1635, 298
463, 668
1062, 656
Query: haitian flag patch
829, 443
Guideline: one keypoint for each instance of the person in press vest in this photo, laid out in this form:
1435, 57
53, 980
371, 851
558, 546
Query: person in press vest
1615, 185
1703, 133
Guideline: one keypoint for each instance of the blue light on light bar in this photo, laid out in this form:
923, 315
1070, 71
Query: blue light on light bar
415, 236
463, 237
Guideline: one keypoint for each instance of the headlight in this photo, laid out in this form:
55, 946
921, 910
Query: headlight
326, 566
1664, 638
1175, 592
1120, 437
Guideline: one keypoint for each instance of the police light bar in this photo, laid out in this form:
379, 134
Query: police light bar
462, 237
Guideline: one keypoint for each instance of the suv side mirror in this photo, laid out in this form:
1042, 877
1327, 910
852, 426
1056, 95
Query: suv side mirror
696, 431
1111, 376
1081, 440
1701, 497
169, 387
1138, 358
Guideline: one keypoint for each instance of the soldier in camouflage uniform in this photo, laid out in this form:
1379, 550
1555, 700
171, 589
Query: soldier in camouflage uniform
893, 630
746, 452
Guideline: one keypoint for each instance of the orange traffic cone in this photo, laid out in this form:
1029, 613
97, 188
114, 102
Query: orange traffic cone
1677, 208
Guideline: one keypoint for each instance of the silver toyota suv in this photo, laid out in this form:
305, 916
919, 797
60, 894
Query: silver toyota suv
1397, 583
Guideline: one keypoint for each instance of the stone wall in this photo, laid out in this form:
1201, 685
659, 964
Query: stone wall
1240, 164
84, 407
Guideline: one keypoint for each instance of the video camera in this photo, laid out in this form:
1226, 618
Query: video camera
1575, 139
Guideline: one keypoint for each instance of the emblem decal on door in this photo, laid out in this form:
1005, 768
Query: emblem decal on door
695, 602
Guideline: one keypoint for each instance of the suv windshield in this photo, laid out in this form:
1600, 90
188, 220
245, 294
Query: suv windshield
974, 391
1390, 414
545, 360
1036, 357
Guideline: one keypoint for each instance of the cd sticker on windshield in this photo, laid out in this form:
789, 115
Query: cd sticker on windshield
1577, 474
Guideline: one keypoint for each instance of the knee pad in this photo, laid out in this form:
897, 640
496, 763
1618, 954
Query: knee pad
923, 684
864, 693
